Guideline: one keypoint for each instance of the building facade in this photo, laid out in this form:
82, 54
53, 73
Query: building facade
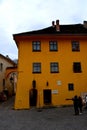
5, 83
52, 65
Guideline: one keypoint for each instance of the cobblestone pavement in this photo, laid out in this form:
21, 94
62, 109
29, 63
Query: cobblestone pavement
62, 118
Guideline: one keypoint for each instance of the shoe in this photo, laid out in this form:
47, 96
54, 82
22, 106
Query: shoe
76, 114
80, 113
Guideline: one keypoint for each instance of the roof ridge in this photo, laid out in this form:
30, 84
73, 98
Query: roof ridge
64, 29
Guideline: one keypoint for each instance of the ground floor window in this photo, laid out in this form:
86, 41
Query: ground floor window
77, 67
70, 86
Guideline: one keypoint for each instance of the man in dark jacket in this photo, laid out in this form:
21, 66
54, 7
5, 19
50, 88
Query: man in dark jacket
80, 104
76, 104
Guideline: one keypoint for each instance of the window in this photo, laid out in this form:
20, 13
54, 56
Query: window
75, 46
34, 83
70, 86
77, 67
36, 67
1, 66
53, 46
54, 67
3, 82
36, 46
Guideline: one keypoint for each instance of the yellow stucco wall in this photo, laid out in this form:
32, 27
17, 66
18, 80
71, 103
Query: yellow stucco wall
65, 57
7, 83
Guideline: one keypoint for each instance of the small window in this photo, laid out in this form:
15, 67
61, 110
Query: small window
36, 67
34, 83
75, 46
54, 68
1, 66
77, 67
53, 46
70, 86
3, 82
36, 46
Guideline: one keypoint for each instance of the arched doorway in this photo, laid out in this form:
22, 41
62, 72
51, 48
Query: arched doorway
33, 97
33, 94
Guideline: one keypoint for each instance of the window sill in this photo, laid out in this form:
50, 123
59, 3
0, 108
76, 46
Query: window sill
36, 50
76, 50
54, 72
77, 71
36, 72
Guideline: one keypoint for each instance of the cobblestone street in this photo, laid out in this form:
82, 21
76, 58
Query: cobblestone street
62, 118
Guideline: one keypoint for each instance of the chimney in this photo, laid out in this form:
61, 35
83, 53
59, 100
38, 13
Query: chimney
85, 24
57, 25
53, 24
7, 56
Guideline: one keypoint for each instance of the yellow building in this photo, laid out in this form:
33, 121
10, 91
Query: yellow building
52, 65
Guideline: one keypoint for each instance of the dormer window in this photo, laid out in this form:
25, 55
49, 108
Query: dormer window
75, 46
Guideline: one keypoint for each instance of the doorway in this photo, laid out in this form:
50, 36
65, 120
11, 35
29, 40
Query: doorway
47, 96
33, 97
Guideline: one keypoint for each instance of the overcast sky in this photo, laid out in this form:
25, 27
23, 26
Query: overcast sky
26, 15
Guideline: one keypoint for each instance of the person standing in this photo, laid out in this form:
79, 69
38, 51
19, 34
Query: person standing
86, 102
80, 104
75, 104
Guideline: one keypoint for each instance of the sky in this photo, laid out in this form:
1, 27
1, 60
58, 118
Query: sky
18, 16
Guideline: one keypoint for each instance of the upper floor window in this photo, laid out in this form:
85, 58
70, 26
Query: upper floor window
77, 67
53, 46
54, 68
36, 67
36, 46
75, 46
1, 66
